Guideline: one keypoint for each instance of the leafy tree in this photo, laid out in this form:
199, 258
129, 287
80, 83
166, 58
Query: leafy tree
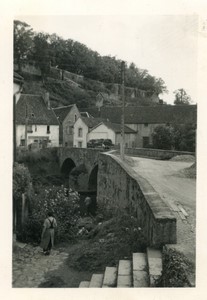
41, 53
23, 43
163, 137
181, 97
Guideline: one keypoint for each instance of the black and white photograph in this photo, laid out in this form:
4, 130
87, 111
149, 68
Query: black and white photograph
104, 151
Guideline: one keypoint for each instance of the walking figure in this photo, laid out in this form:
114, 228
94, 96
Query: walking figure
88, 202
48, 233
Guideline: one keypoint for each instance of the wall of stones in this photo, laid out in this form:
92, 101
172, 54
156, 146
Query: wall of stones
120, 189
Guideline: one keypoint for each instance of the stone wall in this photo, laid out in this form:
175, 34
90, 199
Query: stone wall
155, 153
120, 188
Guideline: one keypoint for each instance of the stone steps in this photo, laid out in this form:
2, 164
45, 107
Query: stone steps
142, 271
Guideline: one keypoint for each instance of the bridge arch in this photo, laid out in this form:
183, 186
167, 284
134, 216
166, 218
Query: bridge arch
92, 181
67, 166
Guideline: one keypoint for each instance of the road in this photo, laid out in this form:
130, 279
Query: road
177, 191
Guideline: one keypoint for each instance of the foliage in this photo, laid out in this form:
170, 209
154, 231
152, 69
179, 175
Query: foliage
64, 208
75, 57
178, 137
23, 42
181, 97
21, 180
111, 240
163, 137
175, 269
47, 155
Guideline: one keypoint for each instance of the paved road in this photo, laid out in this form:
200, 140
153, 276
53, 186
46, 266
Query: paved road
177, 191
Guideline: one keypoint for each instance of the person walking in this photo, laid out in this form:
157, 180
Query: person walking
88, 202
48, 233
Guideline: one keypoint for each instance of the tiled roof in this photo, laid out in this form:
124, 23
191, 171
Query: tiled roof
117, 127
36, 110
62, 112
161, 114
91, 122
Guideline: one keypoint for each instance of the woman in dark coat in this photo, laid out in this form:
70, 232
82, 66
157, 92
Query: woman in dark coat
48, 233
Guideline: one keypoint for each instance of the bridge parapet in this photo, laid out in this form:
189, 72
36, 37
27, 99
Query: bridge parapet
120, 188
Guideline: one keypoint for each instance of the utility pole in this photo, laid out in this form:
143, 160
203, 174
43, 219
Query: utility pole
26, 123
122, 145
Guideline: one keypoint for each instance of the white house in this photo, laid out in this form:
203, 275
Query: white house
86, 129
67, 116
36, 123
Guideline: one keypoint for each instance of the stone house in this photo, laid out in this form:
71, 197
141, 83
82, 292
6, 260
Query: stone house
144, 119
36, 123
67, 116
86, 129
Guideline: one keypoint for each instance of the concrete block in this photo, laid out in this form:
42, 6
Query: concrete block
154, 258
96, 281
125, 267
124, 281
110, 277
139, 261
140, 279
84, 284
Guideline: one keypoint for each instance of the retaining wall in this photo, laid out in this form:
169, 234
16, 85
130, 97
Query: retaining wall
120, 188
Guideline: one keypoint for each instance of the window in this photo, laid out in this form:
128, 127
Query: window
29, 128
69, 129
75, 118
145, 124
35, 127
22, 142
79, 144
32, 114
48, 128
80, 132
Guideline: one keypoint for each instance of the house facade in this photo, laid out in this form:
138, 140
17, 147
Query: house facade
36, 123
144, 119
67, 116
86, 129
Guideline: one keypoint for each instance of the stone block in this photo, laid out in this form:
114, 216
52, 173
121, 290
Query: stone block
124, 281
84, 284
140, 279
96, 281
139, 261
110, 277
125, 267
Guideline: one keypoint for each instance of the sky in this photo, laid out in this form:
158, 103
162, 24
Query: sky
165, 45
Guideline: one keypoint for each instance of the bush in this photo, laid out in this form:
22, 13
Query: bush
65, 210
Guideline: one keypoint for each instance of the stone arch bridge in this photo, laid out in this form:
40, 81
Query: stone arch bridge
118, 188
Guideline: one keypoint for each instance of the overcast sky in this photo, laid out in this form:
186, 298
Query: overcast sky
165, 45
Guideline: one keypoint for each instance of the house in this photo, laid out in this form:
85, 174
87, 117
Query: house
36, 123
67, 116
17, 86
144, 119
86, 129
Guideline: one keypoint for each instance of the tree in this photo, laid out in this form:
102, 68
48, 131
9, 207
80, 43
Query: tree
41, 53
163, 137
23, 43
181, 97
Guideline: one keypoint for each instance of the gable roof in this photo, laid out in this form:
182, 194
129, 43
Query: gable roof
62, 112
36, 110
115, 127
91, 122
161, 114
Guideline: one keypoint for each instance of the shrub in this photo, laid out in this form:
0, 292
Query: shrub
65, 210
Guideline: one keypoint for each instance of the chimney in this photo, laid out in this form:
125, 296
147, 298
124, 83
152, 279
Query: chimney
47, 99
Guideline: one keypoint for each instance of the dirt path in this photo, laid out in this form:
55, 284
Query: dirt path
32, 269
177, 191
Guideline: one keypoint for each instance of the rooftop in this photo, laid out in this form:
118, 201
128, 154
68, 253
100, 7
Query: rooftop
34, 108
